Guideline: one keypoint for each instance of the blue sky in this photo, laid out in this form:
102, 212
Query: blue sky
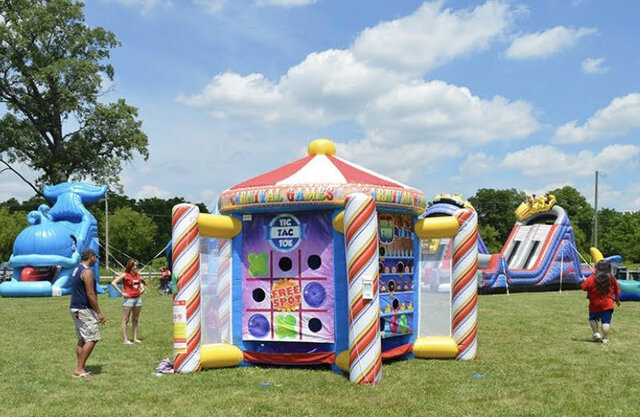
445, 96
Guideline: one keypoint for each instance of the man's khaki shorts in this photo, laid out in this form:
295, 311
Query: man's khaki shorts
86, 321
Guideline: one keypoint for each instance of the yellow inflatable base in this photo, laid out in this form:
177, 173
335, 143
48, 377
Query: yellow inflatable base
424, 348
220, 355
342, 361
435, 348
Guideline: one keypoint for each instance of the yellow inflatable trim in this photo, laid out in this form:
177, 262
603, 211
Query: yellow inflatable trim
342, 361
436, 227
596, 255
338, 222
321, 147
440, 347
220, 355
218, 226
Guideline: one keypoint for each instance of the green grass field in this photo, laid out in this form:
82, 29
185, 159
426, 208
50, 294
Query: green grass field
534, 356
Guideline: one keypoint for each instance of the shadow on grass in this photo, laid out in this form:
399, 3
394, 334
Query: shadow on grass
94, 369
587, 340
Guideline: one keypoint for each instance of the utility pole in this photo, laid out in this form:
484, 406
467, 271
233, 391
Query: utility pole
106, 230
595, 217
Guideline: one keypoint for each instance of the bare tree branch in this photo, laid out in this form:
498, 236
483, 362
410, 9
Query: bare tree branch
9, 167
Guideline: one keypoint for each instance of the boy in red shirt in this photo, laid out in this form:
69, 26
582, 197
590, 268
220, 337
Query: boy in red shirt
602, 289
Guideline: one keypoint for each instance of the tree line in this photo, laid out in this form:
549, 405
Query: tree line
141, 228
138, 228
618, 232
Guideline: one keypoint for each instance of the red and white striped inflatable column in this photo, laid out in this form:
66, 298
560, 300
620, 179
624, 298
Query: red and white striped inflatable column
464, 295
361, 240
186, 303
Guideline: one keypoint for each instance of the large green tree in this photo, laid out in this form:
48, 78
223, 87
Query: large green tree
52, 71
580, 214
496, 209
619, 234
11, 224
132, 233
491, 238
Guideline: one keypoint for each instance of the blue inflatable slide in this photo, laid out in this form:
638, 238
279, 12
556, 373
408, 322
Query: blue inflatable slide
540, 253
46, 253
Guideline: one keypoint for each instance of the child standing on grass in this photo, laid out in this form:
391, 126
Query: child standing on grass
602, 289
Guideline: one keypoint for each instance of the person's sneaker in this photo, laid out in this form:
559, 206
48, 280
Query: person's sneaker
137, 341
605, 341
128, 342
596, 337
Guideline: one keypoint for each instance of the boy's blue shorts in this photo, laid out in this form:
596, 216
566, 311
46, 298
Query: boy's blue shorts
603, 316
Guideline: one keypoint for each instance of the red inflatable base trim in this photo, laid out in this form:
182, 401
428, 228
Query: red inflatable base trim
290, 358
397, 351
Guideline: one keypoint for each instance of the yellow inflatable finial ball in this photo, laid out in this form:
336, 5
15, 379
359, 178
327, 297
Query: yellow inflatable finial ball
322, 147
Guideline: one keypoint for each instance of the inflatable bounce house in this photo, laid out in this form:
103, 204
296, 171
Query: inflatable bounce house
540, 253
319, 262
46, 253
629, 288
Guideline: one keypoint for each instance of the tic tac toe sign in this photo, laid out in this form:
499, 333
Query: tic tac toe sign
285, 232
288, 278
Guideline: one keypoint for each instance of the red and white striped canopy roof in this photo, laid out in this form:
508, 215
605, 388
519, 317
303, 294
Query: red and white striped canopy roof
319, 178
320, 169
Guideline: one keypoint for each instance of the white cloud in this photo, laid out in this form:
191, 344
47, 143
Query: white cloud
379, 84
230, 94
436, 110
17, 189
392, 159
620, 117
334, 84
478, 163
609, 196
211, 6
546, 43
142, 3
150, 191
210, 198
549, 162
431, 36
285, 3
325, 87
594, 66
550, 186
11, 186
145, 5
633, 195
312, 93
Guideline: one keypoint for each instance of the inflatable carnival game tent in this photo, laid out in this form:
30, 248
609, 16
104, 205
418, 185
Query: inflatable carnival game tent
317, 263
540, 253
46, 252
